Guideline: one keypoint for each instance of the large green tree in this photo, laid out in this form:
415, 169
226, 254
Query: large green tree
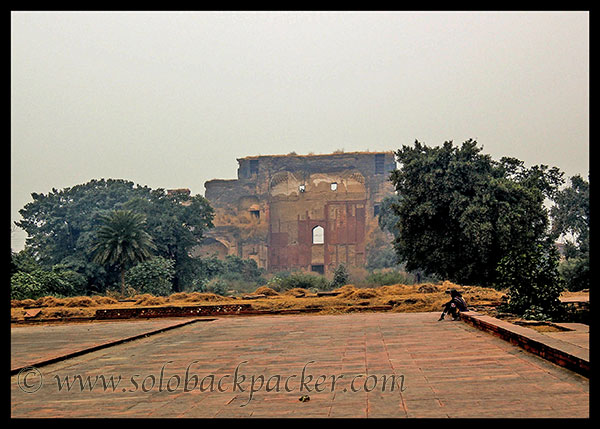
122, 241
571, 221
177, 222
461, 213
62, 224
571, 216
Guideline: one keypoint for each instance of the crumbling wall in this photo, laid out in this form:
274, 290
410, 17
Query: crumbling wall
277, 202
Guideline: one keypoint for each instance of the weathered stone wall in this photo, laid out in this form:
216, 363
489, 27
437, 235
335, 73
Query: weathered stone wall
288, 196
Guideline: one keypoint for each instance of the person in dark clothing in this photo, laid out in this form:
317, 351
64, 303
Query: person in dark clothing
454, 306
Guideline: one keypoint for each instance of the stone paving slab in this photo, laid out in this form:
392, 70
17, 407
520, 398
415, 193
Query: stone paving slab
578, 334
442, 369
35, 345
568, 349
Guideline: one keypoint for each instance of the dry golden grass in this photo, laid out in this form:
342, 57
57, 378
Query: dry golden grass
402, 298
50, 301
196, 297
103, 300
149, 300
296, 292
80, 301
264, 290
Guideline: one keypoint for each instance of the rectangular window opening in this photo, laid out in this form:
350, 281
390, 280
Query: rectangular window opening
376, 209
320, 269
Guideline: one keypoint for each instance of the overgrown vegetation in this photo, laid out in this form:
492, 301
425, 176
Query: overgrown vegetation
340, 276
154, 276
30, 280
232, 273
457, 215
122, 241
284, 281
571, 221
467, 218
397, 298
389, 277
62, 227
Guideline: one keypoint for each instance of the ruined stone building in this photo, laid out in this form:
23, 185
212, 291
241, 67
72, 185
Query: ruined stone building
299, 212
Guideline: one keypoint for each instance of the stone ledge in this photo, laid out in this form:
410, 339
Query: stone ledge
179, 311
557, 351
85, 350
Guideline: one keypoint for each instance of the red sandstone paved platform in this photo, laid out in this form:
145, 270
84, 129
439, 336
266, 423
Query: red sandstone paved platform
569, 349
450, 369
578, 334
34, 344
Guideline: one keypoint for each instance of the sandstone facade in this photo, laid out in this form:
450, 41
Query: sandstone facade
299, 212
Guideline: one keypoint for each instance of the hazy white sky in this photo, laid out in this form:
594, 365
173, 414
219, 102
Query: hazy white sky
170, 99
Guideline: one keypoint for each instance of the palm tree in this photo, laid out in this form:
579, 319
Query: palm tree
122, 241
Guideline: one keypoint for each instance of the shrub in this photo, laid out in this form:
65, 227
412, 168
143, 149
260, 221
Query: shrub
39, 282
575, 272
25, 286
387, 278
239, 274
300, 280
217, 285
153, 276
533, 282
73, 283
382, 258
340, 276
276, 281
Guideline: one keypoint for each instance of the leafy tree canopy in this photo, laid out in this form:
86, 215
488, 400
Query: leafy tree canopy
64, 222
460, 212
153, 276
62, 225
571, 220
176, 223
122, 241
571, 214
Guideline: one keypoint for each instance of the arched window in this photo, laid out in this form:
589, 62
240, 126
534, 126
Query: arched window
318, 235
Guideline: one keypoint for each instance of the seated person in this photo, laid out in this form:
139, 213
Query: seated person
454, 306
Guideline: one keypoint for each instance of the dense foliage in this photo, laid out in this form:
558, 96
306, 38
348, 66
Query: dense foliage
389, 277
285, 281
472, 220
62, 227
340, 276
154, 276
122, 241
571, 220
176, 222
30, 280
